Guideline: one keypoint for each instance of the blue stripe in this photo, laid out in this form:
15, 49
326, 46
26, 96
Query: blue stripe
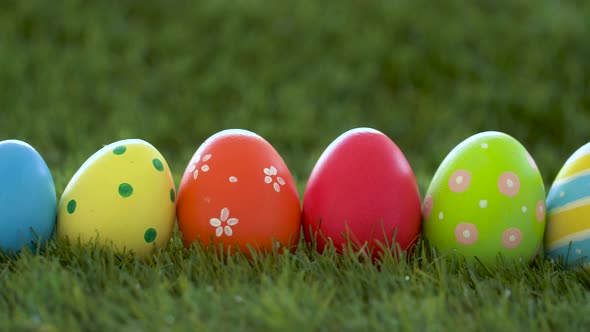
569, 255
573, 190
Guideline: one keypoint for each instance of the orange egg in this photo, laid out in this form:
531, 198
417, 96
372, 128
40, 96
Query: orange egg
237, 190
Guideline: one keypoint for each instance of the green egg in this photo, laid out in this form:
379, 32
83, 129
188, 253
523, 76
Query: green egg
486, 198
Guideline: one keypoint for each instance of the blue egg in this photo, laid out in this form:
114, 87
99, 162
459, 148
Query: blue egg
28, 204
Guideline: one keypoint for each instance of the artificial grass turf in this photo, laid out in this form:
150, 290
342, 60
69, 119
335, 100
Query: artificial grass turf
77, 75
73, 287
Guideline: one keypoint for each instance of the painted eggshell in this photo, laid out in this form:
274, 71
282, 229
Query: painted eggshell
362, 192
27, 197
568, 211
486, 199
238, 192
122, 196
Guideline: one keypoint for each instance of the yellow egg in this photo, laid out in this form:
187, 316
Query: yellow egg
124, 196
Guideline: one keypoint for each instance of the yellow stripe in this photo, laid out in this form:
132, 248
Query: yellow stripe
583, 235
570, 206
579, 165
568, 222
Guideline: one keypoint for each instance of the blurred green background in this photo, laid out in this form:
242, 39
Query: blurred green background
76, 75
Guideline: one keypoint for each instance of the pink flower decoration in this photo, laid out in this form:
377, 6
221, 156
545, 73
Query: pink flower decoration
511, 238
531, 161
459, 180
427, 209
540, 211
466, 233
509, 184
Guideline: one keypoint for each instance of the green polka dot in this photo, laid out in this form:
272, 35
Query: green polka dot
119, 150
71, 206
158, 164
172, 195
150, 235
125, 190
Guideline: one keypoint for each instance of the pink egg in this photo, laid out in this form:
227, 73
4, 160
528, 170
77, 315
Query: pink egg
362, 189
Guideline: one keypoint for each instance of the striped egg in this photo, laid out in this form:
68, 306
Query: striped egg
567, 236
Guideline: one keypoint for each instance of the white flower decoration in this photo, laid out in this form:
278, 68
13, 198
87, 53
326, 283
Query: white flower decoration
270, 173
193, 167
223, 218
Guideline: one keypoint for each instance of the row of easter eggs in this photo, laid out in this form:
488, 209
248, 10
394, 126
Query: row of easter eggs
487, 198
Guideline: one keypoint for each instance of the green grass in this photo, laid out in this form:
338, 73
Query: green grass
86, 287
76, 75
